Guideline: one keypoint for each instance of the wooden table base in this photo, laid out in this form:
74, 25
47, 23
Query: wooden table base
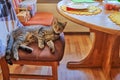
105, 47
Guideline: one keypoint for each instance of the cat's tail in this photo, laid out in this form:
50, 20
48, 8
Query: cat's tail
8, 49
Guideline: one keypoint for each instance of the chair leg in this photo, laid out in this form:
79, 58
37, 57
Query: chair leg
5, 69
54, 71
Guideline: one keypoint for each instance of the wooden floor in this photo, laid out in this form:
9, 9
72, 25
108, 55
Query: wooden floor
77, 47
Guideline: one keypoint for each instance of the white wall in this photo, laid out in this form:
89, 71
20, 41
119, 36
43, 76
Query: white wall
71, 26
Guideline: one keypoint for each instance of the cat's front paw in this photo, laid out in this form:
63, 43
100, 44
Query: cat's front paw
51, 46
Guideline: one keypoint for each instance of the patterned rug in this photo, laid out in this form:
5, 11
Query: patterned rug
115, 17
92, 10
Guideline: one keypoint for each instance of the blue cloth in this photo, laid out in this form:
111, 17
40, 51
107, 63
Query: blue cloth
7, 12
2, 49
8, 22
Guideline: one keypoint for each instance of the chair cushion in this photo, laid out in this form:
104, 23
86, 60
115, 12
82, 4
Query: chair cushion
45, 54
40, 18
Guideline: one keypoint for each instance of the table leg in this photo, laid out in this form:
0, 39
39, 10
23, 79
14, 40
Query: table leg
100, 54
116, 54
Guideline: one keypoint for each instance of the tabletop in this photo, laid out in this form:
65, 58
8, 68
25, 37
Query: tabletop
99, 22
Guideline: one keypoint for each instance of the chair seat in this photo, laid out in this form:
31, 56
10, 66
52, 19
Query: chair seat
45, 54
40, 18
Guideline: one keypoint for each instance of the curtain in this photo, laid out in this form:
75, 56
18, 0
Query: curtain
8, 22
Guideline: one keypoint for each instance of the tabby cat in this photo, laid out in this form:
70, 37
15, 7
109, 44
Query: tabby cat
23, 36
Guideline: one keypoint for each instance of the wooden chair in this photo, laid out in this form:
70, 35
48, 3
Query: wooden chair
43, 18
37, 57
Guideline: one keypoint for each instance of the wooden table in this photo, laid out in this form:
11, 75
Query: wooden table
106, 40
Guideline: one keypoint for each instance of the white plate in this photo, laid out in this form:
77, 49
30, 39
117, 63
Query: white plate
78, 5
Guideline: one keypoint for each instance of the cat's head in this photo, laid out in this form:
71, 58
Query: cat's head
58, 26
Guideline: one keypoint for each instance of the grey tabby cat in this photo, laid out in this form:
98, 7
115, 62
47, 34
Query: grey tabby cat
23, 36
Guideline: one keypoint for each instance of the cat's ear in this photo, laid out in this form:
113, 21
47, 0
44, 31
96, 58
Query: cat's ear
55, 21
65, 23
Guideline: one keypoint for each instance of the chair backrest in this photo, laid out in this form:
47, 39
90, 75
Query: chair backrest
16, 4
28, 4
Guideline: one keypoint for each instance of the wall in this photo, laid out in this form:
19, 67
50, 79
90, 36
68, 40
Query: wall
51, 7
